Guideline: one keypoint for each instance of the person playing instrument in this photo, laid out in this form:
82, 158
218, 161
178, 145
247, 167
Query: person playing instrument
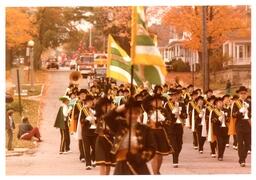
75, 121
177, 115
233, 131
157, 119
104, 141
226, 109
242, 111
210, 135
132, 147
61, 122
200, 123
88, 123
190, 106
220, 127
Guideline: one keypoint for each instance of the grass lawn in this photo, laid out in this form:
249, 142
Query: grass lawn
31, 110
36, 92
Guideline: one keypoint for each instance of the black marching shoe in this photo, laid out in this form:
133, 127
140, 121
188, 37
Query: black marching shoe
242, 164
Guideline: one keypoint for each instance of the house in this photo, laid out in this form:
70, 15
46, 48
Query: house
176, 50
238, 49
238, 69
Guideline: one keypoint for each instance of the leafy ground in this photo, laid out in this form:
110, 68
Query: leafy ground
31, 110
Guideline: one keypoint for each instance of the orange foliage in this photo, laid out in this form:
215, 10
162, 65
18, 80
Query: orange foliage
221, 20
19, 28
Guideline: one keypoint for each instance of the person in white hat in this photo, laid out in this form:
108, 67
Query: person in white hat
61, 122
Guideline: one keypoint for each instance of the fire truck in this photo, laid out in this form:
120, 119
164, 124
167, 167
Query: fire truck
85, 64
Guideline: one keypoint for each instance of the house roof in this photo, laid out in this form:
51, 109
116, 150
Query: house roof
240, 34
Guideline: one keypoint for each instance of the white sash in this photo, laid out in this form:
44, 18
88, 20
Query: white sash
187, 123
193, 120
204, 132
78, 133
210, 131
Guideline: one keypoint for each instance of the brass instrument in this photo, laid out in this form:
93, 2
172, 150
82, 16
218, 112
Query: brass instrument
221, 115
196, 107
75, 77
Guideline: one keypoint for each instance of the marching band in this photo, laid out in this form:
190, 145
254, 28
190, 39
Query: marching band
124, 131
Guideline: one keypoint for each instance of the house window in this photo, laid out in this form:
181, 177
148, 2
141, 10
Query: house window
249, 50
226, 49
239, 51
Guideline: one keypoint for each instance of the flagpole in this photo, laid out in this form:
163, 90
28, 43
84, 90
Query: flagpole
132, 50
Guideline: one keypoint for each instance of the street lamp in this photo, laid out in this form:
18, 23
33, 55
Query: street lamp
31, 44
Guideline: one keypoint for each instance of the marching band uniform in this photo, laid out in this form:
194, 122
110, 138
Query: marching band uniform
200, 124
61, 122
191, 114
88, 132
177, 115
75, 125
104, 140
242, 111
211, 137
220, 129
156, 121
231, 126
143, 144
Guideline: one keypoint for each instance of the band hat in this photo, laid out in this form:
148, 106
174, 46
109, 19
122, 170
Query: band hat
89, 98
85, 91
189, 86
226, 95
194, 93
241, 88
209, 90
63, 98
199, 97
217, 100
173, 91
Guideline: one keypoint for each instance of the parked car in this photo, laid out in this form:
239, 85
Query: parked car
53, 63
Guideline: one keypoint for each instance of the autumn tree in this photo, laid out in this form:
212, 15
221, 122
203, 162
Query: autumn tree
19, 30
221, 20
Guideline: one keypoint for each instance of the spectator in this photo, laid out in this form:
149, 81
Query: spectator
228, 87
9, 126
27, 131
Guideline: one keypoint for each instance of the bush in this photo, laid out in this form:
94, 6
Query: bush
14, 105
180, 66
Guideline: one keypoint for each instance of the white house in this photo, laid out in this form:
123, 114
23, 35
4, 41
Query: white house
176, 50
239, 51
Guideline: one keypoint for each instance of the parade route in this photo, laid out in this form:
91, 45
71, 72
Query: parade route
47, 161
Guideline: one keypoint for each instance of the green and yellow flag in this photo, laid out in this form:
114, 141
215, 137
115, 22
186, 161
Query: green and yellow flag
144, 51
119, 63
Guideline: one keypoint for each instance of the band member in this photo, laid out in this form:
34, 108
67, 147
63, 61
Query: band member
211, 137
88, 122
200, 123
61, 122
226, 109
177, 115
208, 93
133, 147
75, 124
232, 123
191, 120
156, 121
220, 127
187, 95
104, 140
242, 111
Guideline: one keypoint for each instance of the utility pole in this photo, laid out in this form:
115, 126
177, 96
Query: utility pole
205, 61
